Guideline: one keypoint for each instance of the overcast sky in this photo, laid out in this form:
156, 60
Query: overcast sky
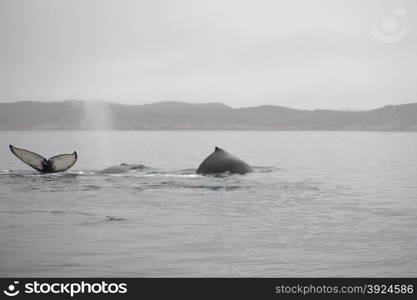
304, 54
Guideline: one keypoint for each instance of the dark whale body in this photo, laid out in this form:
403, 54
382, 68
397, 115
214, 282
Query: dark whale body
123, 168
221, 161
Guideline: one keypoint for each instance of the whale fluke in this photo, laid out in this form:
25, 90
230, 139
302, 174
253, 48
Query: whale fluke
57, 163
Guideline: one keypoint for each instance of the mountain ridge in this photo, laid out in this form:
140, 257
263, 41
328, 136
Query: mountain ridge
177, 115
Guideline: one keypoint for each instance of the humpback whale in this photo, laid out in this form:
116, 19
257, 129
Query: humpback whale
221, 161
123, 168
57, 163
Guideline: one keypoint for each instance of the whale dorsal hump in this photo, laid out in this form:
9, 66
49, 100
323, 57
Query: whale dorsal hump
218, 149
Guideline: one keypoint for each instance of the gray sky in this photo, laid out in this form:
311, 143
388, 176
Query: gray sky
301, 54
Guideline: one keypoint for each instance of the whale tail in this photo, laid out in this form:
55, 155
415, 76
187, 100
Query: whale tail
57, 163
62, 162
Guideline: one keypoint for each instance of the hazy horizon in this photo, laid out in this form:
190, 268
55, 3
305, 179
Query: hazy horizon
211, 102
301, 54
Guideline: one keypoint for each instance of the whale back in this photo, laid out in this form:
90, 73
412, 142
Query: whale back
221, 161
123, 168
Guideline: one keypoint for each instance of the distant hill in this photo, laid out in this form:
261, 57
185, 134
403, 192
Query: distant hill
75, 115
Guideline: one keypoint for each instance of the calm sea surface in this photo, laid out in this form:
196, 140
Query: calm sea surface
319, 204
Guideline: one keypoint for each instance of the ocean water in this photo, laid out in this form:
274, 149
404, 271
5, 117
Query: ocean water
319, 204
